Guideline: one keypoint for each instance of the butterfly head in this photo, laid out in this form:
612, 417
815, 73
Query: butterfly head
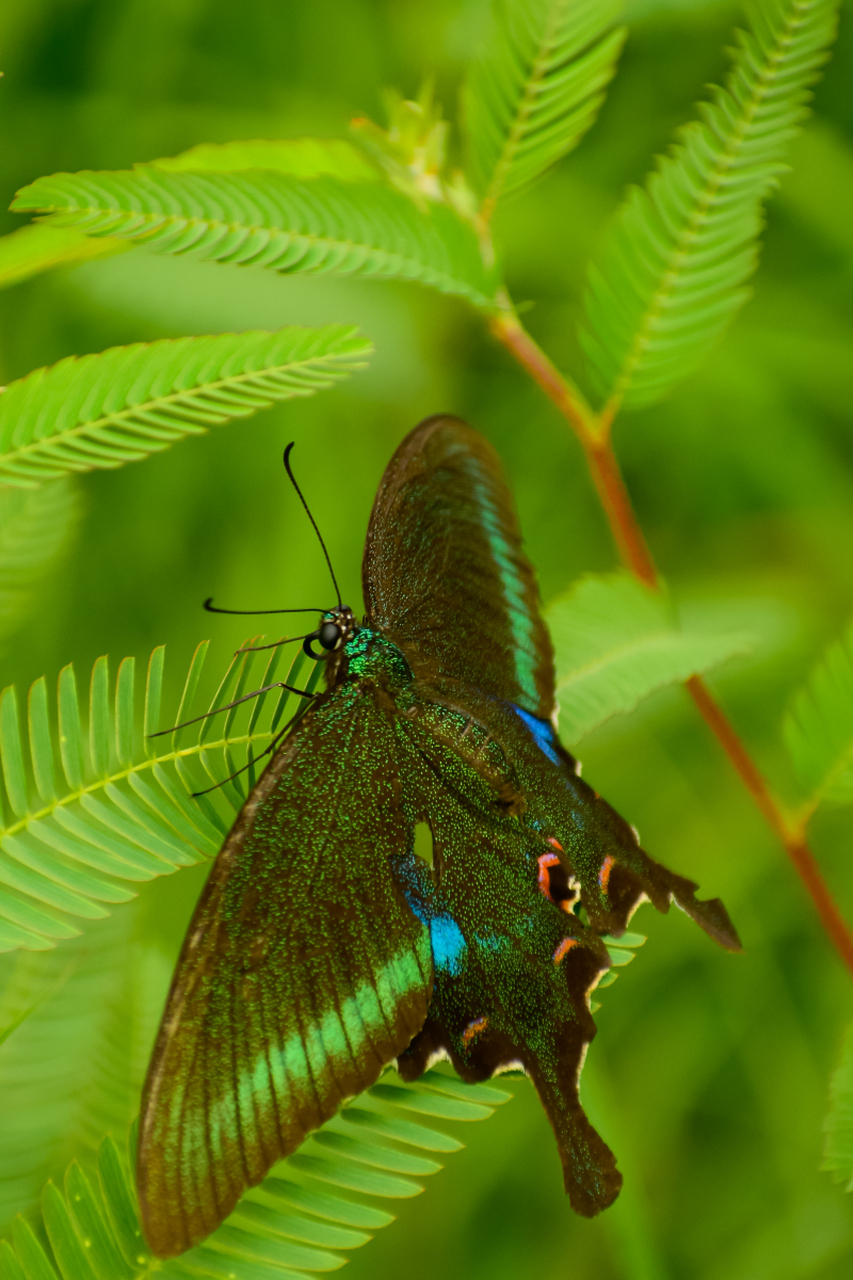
335, 628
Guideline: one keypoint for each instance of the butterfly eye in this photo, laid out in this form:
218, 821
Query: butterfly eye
330, 635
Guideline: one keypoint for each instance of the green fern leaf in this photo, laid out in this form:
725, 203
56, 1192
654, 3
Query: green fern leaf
296, 1223
105, 410
818, 728
673, 272
300, 157
30, 250
838, 1126
41, 247
536, 89
124, 813
86, 1015
273, 220
616, 642
35, 526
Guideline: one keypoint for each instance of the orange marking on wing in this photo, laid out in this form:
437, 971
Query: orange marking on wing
604, 872
546, 860
563, 949
554, 842
473, 1029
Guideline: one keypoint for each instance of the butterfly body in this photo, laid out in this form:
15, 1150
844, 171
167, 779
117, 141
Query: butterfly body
323, 947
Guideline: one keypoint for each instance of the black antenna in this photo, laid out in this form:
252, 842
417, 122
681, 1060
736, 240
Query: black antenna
211, 608
311, 518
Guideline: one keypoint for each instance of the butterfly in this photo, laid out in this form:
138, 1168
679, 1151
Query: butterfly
323, 947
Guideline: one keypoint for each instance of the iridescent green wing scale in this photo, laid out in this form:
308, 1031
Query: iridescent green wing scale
444, 575
446, 578
303, 974
513, 970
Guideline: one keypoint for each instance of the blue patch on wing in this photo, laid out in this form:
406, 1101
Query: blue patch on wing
446, 938
448, 944
543, 734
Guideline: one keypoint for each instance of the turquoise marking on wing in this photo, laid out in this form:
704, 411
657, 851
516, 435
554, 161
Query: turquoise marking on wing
448, 944
446, 938
521, 624
542, 732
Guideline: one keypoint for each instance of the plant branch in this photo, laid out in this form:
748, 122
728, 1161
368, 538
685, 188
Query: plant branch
600, 457
593, 432
791, 833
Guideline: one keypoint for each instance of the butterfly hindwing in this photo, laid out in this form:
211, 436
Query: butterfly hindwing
513, 967
304, 973
600, 849
444, 574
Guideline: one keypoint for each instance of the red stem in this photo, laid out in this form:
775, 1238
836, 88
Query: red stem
594, 436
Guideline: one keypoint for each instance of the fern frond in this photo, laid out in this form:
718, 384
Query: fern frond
536, 88
30, 250
105, 410
673, 272
34, 527
615, 643
294, 1224
838, 1126
123, 813
300, 157
818, 728
74, 1068
272, 220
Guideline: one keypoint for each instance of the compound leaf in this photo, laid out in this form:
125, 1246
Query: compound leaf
673, 271
119, 406
536, 88
269, 219
616, 642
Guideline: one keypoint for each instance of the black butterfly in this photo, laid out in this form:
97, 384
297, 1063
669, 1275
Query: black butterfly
323, 948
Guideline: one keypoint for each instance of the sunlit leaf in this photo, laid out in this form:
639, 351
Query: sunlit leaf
105, 410
300, 157
616, 642
123, 813
269, 219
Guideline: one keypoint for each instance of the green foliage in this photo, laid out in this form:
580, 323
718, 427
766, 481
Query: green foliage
282, 1229
82, 1020
273, 220
838, 1148
300, 157
123, 814
105, 410
673, 273
41, 247
412, 149
35, 525
536, 88
819, 728
616, 642
36, 248
758, 481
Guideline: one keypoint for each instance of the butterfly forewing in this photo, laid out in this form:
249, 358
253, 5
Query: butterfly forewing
303, 974
444, 573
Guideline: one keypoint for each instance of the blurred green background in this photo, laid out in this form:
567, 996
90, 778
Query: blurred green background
709, 1073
